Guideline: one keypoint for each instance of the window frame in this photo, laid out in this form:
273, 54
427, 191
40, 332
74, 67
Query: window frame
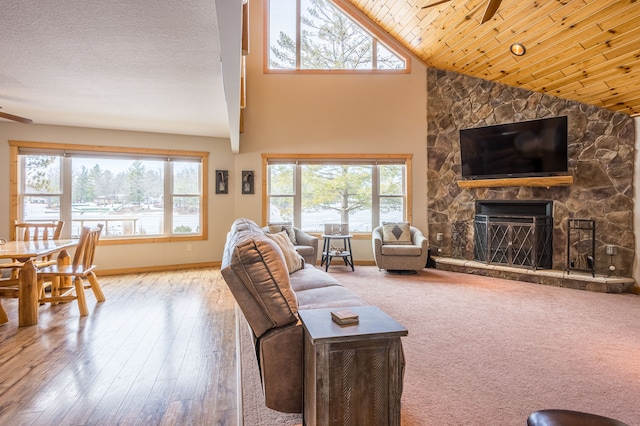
110, 151
404, 159
359, 18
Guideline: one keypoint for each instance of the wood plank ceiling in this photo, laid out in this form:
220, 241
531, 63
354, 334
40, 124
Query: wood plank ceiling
583, 50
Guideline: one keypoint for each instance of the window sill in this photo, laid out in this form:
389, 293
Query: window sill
354, 235
149, 240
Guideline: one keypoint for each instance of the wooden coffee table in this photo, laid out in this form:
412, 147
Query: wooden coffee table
352, 374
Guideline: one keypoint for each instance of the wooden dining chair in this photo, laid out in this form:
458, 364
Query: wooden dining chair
34, 231
80, 269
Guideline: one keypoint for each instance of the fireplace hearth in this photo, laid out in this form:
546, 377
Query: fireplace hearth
514, 233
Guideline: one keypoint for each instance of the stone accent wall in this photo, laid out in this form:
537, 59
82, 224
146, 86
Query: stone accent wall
601, 160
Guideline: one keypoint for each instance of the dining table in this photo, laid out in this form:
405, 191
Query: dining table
28, 252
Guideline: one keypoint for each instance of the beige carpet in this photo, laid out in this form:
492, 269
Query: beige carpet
485, 351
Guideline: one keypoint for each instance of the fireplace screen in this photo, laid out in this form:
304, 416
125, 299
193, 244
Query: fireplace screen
522, 241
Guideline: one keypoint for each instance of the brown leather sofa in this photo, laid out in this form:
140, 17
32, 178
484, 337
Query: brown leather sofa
254, 268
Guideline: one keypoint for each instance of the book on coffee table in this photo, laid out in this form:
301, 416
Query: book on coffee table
344, 317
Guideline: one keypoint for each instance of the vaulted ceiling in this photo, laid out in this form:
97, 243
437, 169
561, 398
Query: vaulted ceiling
583, 50
123, 65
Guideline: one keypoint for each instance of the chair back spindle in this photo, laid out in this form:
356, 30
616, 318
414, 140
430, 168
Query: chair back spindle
25, 231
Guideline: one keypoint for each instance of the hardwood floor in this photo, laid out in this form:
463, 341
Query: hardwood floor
160, 350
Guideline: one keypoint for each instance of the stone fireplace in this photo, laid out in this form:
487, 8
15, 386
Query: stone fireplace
601, 162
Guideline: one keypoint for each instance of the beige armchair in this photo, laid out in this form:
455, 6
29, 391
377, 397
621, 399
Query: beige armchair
306, 245
400, 257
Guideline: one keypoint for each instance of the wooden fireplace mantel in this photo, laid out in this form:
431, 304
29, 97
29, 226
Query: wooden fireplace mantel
530, 181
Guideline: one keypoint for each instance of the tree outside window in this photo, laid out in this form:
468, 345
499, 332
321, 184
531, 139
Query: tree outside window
392, 183
362, 194
281, 192
42, 185
337, 194
186, 197
133, 197
328, 40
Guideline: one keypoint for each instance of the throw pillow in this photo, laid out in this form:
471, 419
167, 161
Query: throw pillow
276, 227
396, 233
293, 260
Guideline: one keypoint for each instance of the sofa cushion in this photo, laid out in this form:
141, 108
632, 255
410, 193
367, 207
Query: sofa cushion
396, 233
275, 227
327, 297
401, 250
294, 261
311, 277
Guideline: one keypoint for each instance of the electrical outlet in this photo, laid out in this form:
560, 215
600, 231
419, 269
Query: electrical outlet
189, 247
439, 236
611, 250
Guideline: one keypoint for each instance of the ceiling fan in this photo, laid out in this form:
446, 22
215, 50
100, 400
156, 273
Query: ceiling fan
15, 118
490, 10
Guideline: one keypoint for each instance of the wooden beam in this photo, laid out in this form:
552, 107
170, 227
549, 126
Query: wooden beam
529, 181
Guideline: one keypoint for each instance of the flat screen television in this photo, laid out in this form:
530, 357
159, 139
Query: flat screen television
524, 149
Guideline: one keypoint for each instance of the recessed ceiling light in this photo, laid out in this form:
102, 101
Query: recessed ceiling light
518, 49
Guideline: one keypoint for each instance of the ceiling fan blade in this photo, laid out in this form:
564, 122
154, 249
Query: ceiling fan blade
15, 118
435, 3
492, 8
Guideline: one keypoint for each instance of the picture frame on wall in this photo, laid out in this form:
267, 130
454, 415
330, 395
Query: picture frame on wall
247, 181
222, 181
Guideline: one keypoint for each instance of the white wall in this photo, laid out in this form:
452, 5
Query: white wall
135, 255
331, 113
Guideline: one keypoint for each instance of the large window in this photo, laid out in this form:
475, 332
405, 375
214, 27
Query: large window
316, 35
313, 190
136, 194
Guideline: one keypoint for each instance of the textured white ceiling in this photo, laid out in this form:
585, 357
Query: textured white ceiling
119, 64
